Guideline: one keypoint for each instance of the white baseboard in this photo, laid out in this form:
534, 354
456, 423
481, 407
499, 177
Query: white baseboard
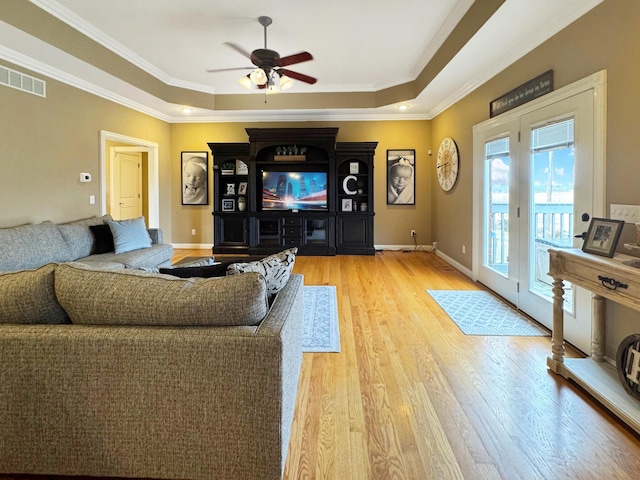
455, 264
418, 248
192, 246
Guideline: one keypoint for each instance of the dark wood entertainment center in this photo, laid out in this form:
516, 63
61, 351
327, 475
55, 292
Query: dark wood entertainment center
334, 220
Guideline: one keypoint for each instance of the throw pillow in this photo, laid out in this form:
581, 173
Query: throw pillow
206, 271
103, 238
129, 235
276, 269
28, 296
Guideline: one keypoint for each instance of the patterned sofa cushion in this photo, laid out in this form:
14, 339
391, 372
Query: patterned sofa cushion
27, 296
275, 268
31, 246
133, 297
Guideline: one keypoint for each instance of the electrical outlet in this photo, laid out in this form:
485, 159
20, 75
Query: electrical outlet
435, 245
464, 249
413, 233
193, 231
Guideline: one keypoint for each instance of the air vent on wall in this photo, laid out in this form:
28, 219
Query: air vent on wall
22, 81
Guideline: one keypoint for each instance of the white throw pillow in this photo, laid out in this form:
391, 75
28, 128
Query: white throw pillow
276, 269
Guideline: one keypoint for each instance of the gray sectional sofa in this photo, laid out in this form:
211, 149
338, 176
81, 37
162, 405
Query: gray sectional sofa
30, 246
119, 372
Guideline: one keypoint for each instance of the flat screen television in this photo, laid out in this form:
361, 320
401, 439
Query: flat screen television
294, 190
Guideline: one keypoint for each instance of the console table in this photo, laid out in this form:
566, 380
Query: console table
616, 279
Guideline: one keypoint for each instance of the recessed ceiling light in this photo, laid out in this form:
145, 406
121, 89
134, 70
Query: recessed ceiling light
186, 110
403, 107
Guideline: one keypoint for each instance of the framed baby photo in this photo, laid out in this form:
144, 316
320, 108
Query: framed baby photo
242, 188
401, 177
194, 178
602, 236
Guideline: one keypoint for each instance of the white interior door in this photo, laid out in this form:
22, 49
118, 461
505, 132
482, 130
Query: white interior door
126, 192
538, 180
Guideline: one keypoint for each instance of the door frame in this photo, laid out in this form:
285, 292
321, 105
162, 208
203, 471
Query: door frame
153, 168
596, 82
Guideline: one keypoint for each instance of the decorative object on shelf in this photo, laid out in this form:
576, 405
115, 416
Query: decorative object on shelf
290, 153
363, 206
360, 184
401, 179
269, 74
354, 168
242, 204
242, 188
241, 168
227, 168
447, 164
347, 205
349, 190
628, 364
195, 178
228, 204
602, 236
231, 189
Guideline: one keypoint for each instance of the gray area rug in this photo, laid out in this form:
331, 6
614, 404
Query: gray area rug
320, 330
481, 313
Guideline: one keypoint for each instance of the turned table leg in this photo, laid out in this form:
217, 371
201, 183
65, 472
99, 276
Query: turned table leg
557, 336
598, 328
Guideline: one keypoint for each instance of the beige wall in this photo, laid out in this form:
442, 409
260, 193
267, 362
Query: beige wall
606, 38
392, 224
45, 143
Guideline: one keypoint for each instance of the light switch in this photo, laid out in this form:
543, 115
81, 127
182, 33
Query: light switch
92, 199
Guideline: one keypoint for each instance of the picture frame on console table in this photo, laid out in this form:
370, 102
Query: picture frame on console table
602, 236
194, 178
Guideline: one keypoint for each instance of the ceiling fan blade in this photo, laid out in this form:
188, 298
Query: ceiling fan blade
295, 58
238, 49
298, 76
216, 70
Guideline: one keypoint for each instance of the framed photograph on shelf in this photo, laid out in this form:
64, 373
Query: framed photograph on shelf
241, 168
195, 178
231, 189
242, 188
602, 236
347, 205
354, 168
401, 177
228, 204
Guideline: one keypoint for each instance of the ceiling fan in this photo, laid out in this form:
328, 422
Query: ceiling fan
268, 72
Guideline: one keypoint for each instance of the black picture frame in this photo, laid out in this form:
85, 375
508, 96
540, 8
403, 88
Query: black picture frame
602, 236
401, 177
194, 177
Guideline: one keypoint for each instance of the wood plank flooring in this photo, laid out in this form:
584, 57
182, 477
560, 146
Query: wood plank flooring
411, 397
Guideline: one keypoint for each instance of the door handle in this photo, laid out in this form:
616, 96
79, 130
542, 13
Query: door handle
583, 235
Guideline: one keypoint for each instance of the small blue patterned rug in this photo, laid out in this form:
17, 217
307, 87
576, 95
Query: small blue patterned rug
320, 330
481, 313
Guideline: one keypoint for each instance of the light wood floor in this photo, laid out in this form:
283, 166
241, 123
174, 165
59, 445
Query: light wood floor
411, 397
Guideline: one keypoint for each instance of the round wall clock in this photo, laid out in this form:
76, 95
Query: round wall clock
447, 164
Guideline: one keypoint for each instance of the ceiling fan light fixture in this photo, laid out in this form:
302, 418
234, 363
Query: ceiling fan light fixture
245, 82
285, 82
258, 76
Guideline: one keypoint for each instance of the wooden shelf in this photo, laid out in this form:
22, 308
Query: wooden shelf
600, 379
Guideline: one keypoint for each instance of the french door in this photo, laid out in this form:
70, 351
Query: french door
536, 185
